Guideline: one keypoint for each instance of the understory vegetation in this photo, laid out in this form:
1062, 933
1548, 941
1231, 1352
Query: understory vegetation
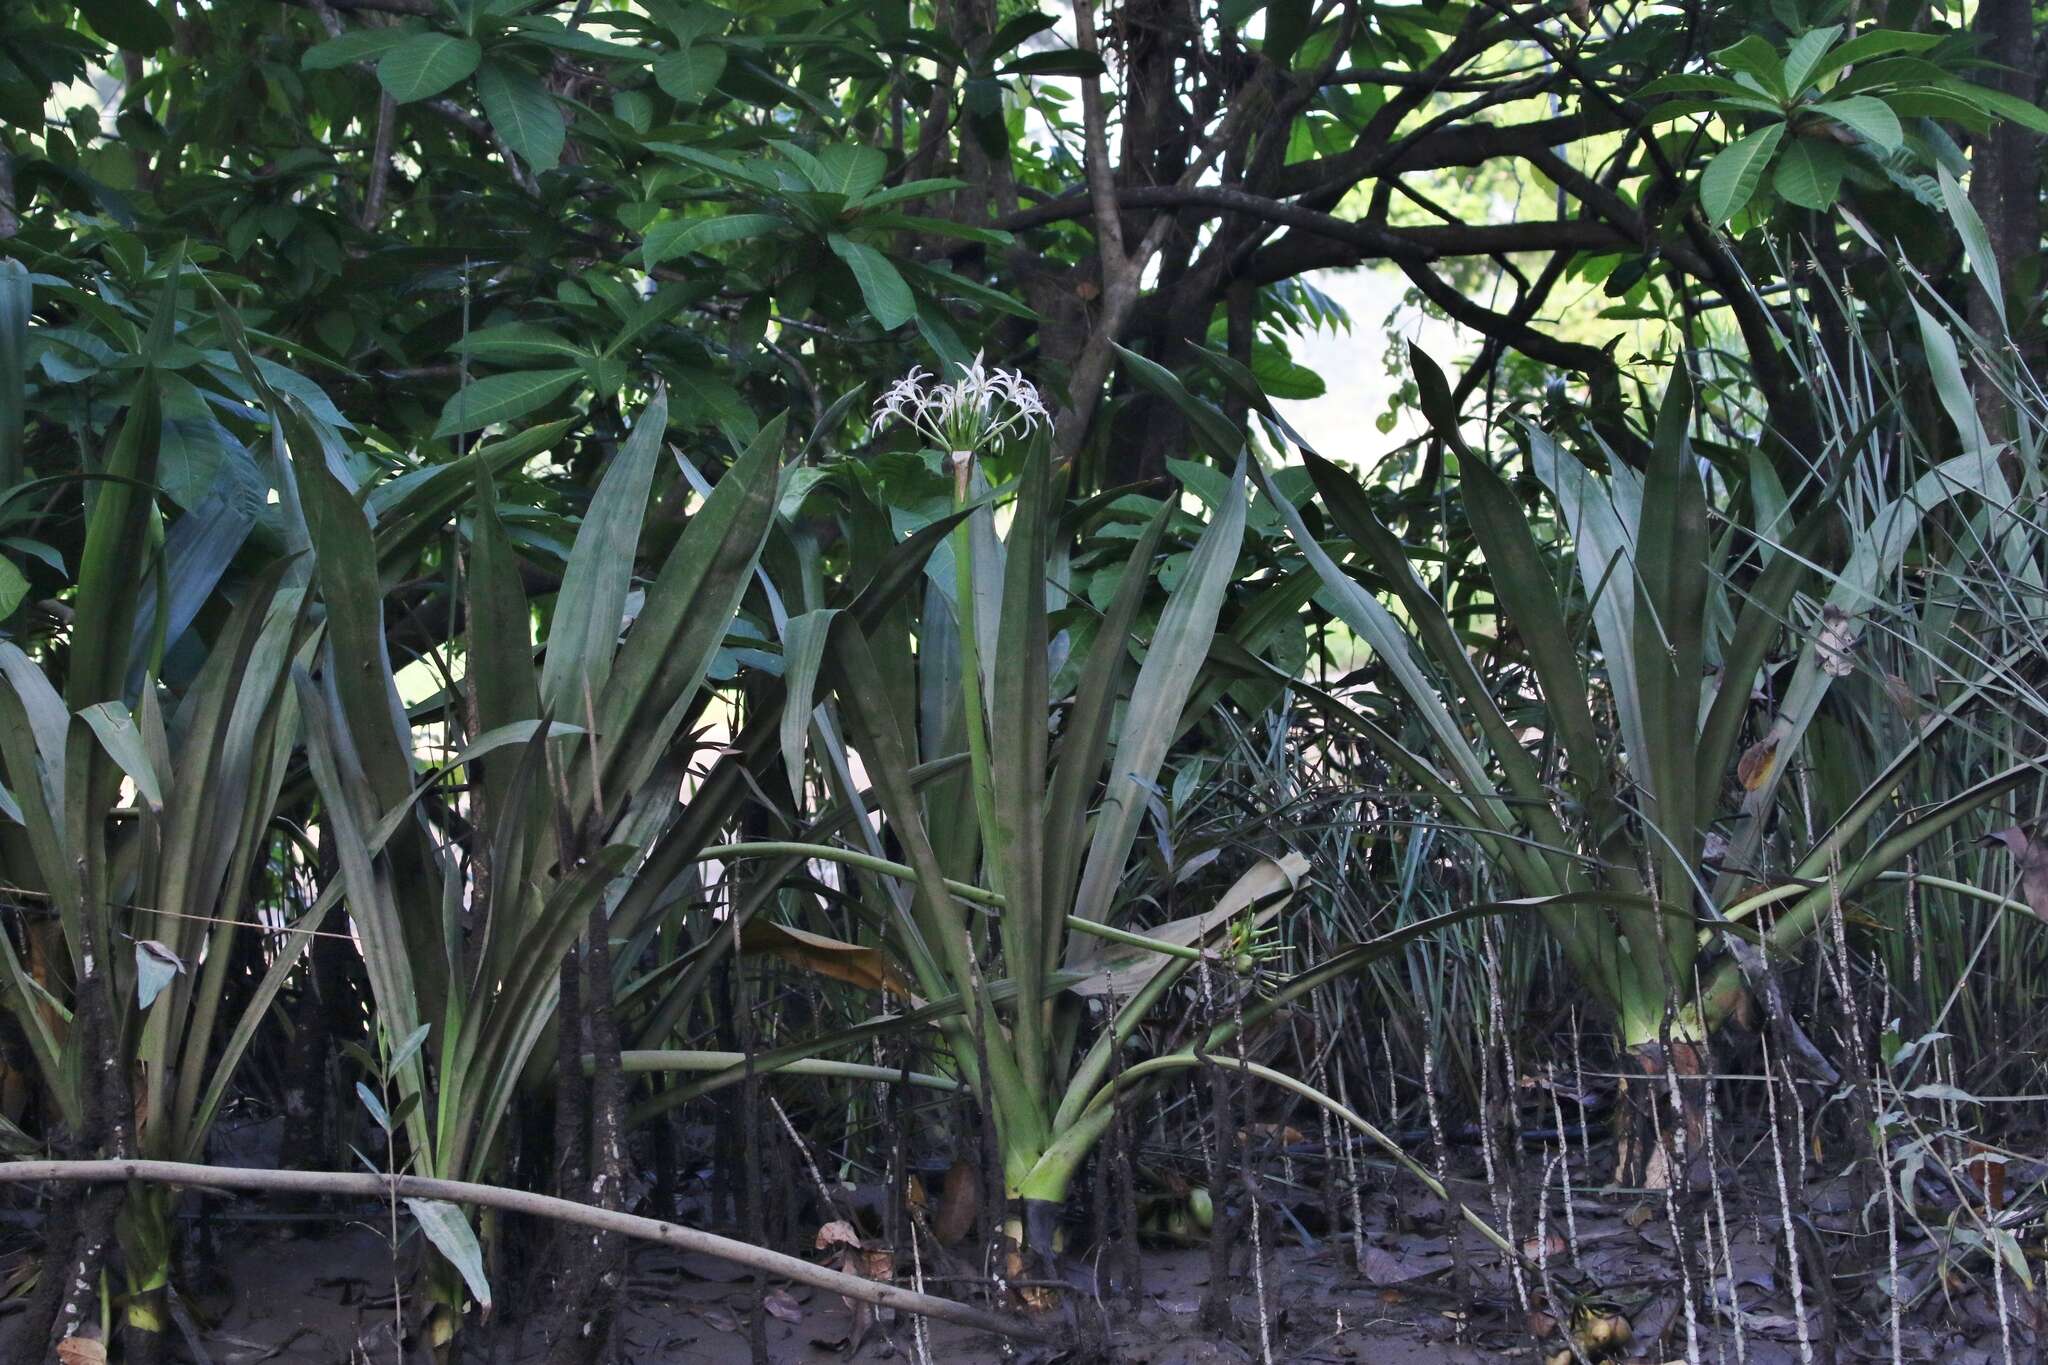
711, 631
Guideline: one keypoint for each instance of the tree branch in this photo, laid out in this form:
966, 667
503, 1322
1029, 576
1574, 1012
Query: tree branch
370, 1186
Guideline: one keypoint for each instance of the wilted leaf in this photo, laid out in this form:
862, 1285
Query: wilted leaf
852, 963
1753, 769
1268, 885
837, 1233
779, 1303
959, 1202
81, 1351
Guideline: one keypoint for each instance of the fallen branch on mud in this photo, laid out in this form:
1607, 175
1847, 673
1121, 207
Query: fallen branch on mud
539, 1206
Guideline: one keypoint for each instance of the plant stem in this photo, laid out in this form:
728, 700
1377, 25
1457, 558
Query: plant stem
962, 538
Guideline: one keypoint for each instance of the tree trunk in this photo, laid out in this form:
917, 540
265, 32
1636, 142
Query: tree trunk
2005, 189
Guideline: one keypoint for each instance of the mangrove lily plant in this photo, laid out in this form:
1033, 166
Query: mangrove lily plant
1046, 840
1604, 823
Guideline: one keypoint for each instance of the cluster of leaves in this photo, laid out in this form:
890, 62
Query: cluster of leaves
1869, 109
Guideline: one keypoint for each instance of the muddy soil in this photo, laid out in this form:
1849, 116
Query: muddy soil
304, 1294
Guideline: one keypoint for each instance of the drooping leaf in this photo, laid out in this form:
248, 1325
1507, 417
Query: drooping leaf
1976, 244
448, 1229
881, 285
522, 112
155, 968
123, 742
1809, 174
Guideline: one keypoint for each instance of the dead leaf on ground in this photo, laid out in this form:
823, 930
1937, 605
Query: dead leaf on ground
837, 1233
959, 1203
780, 1303
81, 1351
719, 1318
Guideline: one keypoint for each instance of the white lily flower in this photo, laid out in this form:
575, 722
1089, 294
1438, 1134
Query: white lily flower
980, 409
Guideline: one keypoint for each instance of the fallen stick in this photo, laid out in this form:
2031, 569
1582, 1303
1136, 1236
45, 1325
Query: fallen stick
537, 1205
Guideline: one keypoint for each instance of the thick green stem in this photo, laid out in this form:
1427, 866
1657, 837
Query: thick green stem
1055, 1170
962, 540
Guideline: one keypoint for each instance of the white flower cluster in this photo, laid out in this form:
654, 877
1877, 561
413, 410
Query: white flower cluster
978, 410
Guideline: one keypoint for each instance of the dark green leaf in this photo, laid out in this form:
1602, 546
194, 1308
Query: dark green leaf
425, 64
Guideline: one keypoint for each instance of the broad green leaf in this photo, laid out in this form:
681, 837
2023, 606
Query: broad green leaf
1218, 432
1868, 117
523, 113
691, 74
13, 587
1945, 367
2023, 112
888, 298
134, 25
1865, 47
357, 45
1731, 178
851, 170
672, 237
517, 339
449, 1231
1759, 60
1809, 174
501, 398
1804, 57
634, 109
425, 64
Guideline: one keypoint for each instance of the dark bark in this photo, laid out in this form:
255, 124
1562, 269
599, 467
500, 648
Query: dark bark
2005, 186
594, 1270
